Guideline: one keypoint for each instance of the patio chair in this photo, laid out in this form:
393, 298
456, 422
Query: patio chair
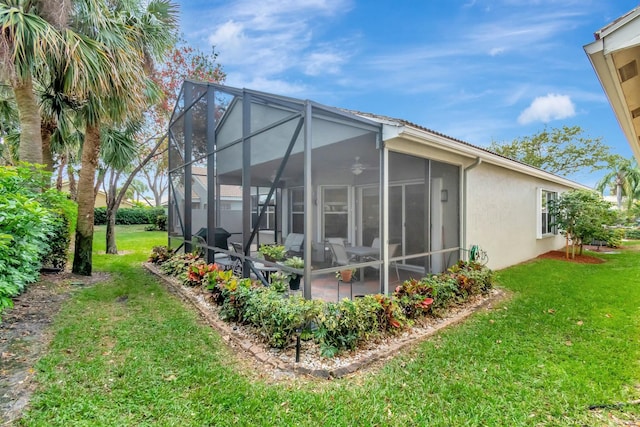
293, 244
375, 243
336, 240
340, 256
393, 247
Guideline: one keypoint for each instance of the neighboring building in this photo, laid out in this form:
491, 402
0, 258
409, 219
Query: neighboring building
101, 197
328, 174
615, 56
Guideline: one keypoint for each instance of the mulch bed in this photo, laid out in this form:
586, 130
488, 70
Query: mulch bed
579, 259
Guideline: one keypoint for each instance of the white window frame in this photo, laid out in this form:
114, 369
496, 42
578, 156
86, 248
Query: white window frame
542, 212
348, 213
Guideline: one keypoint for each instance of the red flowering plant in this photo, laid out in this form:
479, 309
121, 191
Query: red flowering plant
472, 278
197, 272
390, 317
415, 297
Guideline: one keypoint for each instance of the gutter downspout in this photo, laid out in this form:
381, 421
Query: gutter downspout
473, 165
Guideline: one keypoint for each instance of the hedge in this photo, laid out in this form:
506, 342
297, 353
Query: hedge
129, 216
34, 228
632, 234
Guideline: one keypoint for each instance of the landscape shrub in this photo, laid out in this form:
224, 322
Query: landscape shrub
178, 264
161, 222
34, 227
129, 216
345, 324
335, 326
65, 213
235, 294
614, 237
197, 272
632, 234
279, 320
160, 254
57, 253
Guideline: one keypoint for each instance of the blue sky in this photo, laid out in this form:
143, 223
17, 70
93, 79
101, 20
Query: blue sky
477, 70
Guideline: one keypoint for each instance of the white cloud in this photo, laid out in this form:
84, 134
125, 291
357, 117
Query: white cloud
547, 108
323, 63
263, 40
264, 84
497, 51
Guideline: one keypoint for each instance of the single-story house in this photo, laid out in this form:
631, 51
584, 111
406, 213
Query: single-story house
101, 197
615, 57
331, 175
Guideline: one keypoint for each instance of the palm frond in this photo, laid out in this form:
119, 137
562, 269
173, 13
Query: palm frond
32, 40
118, 147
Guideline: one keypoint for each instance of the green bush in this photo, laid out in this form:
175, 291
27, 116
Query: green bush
614, 237
338, 326
161, 222
57, 254
178, 264
65, 218
277, 319
632, 234
345, 324
160, 254
129, 216
34, 227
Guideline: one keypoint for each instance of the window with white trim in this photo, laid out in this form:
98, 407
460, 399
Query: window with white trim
546, 223
335, 212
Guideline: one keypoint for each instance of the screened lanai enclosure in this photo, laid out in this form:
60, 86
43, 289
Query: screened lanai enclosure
249, 168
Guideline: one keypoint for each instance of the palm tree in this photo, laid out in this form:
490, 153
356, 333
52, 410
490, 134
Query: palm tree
132, 33
623, 176
34, 36
25, 42
9, 129
138, 188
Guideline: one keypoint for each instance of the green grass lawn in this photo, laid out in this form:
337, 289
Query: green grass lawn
126, 352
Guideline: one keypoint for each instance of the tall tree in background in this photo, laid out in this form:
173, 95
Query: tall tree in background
560, 151
134, 34
183, 62
118, 152
623, 177
35, 34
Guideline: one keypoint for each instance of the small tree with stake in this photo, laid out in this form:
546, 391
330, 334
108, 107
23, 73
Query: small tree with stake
581, 215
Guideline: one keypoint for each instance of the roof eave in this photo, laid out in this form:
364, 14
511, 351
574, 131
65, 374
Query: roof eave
600, 53
441, 142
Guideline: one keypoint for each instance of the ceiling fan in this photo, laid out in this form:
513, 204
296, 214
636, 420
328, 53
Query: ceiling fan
357, 167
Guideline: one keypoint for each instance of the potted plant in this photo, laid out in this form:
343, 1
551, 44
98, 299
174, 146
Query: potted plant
279, 281
345, 275
297, 263
273, 253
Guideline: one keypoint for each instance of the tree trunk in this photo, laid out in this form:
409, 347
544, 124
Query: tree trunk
82, 260
30, 139
46, 130
112, 248
112, 209
73, 188
61, 166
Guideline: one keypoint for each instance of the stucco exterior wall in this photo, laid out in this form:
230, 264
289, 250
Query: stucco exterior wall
502, 215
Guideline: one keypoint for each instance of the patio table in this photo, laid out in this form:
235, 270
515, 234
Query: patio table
362, 251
